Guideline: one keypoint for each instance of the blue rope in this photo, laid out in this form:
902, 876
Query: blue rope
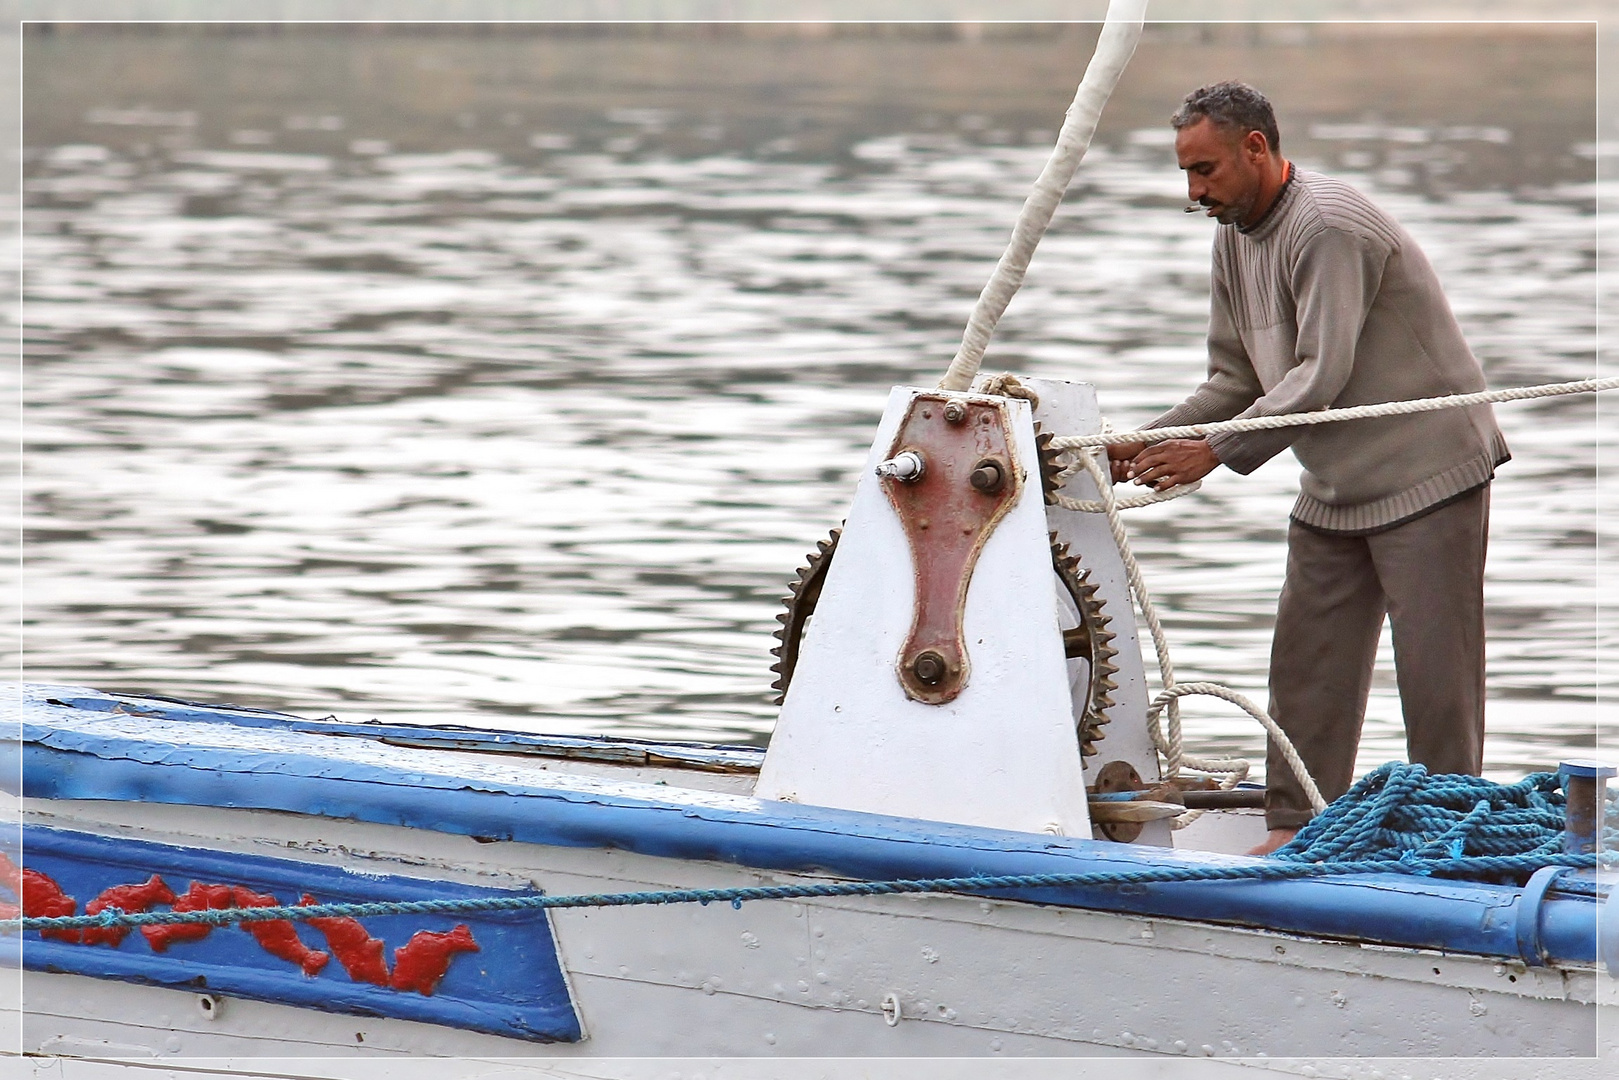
1262, 871
1399, 811
1396, 820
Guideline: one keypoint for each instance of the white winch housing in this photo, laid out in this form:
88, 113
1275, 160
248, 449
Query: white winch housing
1003, 752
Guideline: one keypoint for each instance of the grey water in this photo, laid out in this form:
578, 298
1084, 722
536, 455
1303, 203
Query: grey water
503, 375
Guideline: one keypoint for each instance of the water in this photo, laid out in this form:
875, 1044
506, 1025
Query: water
502, 378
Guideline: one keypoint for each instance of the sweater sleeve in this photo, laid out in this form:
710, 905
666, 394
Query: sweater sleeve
1231, 385
1334, 280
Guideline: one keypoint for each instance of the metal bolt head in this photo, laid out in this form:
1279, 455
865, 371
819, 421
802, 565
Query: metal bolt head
987, 476
955, 412
928, 667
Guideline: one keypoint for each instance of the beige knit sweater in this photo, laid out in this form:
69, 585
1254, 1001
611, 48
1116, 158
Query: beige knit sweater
1328, 302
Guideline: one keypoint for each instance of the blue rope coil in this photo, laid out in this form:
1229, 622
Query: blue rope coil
1395, 820
1399, 811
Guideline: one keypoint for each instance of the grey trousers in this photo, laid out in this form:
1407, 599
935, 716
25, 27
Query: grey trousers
1427, 575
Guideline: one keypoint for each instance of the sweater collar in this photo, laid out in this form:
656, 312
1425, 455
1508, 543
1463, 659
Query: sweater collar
1266, 225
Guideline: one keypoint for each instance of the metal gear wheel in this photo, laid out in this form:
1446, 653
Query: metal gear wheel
802, 595
1051, 470
1088, 639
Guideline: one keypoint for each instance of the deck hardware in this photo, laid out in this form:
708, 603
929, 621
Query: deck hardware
1530, 947
955, 412
1120, 803
987, 476
928, 667
890, 1009
1584, 782
947, 522
210, 1006
907, 466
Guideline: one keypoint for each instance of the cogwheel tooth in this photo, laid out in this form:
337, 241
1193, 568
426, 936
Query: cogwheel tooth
804, 592
1093, 621
1051, 479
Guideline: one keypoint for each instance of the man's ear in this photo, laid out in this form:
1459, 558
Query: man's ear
1255, 144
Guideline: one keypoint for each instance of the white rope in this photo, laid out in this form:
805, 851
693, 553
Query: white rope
1283, 743
1113, 51
1328, 416
1090, 459
1131, 502
1234, 770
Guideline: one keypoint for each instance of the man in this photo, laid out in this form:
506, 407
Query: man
1319, 299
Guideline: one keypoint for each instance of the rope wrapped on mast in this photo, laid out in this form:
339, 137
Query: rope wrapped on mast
1120, 33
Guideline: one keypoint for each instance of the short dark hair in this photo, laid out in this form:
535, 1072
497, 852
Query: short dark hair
1233, 105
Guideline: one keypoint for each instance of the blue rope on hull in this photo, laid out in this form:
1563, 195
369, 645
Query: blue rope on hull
1395, 820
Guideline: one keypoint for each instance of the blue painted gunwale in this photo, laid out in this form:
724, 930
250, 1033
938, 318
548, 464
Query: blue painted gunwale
620, 750
138, 754
513, 986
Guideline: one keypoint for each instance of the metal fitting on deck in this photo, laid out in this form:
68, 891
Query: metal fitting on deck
1583, 783
906, 466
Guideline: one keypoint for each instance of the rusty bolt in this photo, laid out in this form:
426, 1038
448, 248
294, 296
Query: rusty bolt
928, 668
955, 412
987, 476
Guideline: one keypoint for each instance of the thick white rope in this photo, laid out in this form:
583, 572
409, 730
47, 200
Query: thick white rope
1233, 770
1283, 743
1114, 48
1328, 416
1131, 502
1168, 700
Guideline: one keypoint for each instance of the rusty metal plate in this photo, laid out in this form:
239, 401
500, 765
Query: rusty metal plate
969, 481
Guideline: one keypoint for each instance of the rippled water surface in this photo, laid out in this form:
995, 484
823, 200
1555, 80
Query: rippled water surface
503, 377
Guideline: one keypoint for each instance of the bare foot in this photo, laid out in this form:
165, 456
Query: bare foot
1273, 840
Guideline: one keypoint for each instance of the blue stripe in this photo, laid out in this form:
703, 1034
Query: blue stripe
512, 986
669, 822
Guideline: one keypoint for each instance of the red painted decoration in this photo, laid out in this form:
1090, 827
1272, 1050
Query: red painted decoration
355, 948
419, 964
126, 898
198, 897
426, 957
43, 897
278, 937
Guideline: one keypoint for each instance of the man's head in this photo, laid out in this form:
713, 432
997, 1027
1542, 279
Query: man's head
1226, 140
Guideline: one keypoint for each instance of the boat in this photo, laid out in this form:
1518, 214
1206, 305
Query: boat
140, 804
961, 841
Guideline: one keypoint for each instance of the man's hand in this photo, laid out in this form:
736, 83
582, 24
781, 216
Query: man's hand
1172, 463
1119, 457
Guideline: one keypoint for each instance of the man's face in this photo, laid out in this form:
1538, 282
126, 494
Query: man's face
1222, 172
